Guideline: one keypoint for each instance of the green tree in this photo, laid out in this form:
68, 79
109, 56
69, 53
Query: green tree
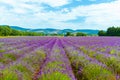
102, 33
80, 34
5, 30
16, 33
113, 31
69, 34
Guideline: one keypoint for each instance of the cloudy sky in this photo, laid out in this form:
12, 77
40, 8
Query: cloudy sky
60, 14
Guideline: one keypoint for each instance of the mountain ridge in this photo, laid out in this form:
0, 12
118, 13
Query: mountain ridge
57, 31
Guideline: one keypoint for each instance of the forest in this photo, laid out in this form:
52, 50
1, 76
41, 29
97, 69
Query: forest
8, 31
111, 31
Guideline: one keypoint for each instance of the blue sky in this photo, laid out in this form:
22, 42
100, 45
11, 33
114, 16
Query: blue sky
60, 14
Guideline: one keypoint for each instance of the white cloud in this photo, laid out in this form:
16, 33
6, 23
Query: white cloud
52, 3
102, 15
98, 16
56, 3
65, 10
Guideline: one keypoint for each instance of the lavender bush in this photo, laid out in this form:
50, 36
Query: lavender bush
60, 58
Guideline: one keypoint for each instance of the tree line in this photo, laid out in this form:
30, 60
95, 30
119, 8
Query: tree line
111, 31
7, 31
75, 34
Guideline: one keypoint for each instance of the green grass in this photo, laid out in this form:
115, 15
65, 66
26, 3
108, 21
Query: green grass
100, 57
55, 76
19, 67
54, 65
56, 51
6, 58
15, 72
8, 36
1, 51
89, 71
95, 72
10, 56
35, 59
112, 51
8, 75
91, 53
111, 62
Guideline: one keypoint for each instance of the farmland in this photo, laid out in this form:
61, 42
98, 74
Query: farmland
60, 58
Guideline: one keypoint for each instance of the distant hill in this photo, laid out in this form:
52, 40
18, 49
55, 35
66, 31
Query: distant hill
19, 28
57, 31
88, 31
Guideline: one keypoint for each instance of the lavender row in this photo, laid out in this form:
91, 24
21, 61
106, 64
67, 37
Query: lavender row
56, 66
112, 61
26, 66
23, 43
60, 58
9, 57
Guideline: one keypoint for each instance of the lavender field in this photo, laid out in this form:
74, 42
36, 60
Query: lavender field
60, 58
